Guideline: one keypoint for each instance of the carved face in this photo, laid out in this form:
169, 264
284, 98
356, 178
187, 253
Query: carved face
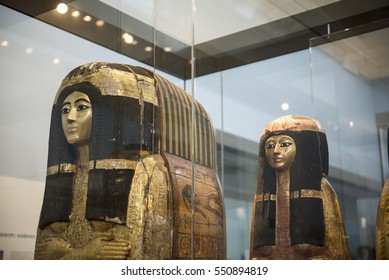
77, 118
280, 152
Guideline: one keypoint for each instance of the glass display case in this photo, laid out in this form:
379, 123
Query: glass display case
349, 86
246, 63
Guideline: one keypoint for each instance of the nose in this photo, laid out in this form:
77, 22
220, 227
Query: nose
277, 149
71, 115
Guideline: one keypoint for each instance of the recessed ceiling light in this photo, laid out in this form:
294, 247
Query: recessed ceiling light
62, 8
5, 43
167, 49
29, 50
87, 18
56, 60
285, 106
128, 38
148, 49
100, 22
76, 14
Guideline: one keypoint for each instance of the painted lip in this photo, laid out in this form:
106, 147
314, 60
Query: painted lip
71, 129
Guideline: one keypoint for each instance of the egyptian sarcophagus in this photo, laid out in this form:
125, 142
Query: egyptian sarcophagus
296, 214
129, 175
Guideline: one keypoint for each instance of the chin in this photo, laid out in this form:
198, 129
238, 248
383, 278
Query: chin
278, 165
72, 140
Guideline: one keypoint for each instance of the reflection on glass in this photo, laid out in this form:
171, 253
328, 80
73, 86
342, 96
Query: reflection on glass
349, 91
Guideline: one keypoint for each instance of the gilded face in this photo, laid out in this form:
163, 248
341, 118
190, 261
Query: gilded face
280, 152
77, 118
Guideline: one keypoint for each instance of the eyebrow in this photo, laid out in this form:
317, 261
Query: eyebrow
81, 99
280, 139
78, 100
286, 138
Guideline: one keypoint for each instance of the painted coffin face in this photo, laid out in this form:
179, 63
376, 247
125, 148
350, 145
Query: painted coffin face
131, 137
295, 216
77, 118
280, 152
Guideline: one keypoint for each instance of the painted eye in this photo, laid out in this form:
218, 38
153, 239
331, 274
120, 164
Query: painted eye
65, 110
270, 146
82, 107
285, 144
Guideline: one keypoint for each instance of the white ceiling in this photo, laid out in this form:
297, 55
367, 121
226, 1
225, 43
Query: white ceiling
213, 19
366, 55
